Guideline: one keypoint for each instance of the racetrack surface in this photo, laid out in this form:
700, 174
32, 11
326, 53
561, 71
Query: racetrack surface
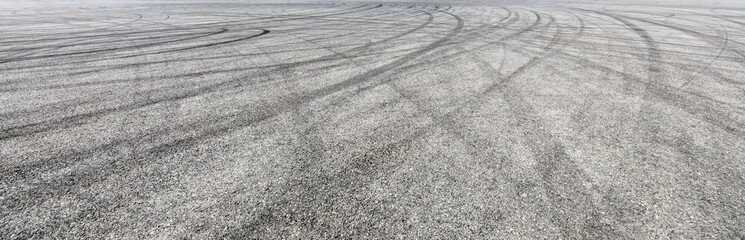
372, 120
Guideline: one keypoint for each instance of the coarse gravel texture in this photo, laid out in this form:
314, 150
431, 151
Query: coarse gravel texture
488, 119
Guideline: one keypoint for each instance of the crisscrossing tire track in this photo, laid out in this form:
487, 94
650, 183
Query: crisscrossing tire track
372, 120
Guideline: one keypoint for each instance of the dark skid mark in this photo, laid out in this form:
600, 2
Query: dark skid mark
223, 126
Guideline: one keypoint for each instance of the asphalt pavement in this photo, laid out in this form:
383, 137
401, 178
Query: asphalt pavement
307, 120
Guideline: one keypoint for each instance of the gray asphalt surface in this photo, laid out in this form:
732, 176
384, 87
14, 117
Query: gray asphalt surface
372, 120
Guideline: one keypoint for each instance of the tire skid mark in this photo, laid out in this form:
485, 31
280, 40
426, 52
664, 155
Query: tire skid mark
703, 66
442, 55
434, 58
319, 190
702, 36
307, 198
708, 65
557, 167
356, 10
223, 126
701, 108
300, 12
78, 36
304, 200
203, 35
693, 156
180, 96
75, 120
120, 38
177, 76
138, 55
223, 30
560, 175
585, 62
654, 55
117, 57
99, 51
365, 50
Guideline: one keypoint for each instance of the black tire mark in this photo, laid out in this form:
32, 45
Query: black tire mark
367, 164
128, 56
701, 108
708, 65
704, 108
703, 67
224, 125
654, 55
70, 121
75, 120
559, 173
100, 51
699, 35
153, 44
436, 57
313, 188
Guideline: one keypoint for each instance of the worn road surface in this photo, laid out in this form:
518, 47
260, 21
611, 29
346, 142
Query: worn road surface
484, 119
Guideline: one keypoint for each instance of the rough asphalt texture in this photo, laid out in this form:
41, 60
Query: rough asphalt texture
372, 120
